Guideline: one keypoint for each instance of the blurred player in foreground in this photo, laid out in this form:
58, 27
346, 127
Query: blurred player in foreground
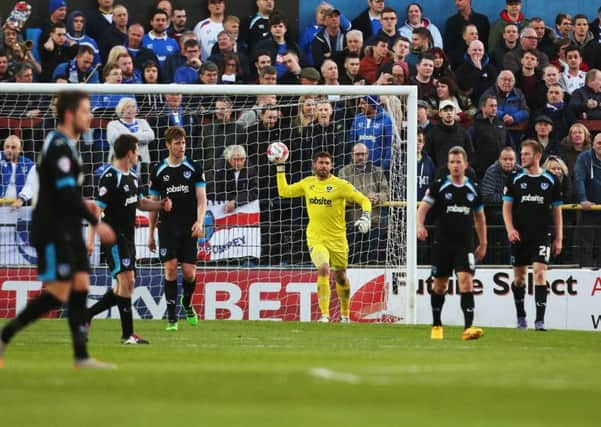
118, 198
326, 196
56, 232
457, 206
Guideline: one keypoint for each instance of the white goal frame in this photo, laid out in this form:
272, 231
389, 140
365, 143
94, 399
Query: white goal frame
410, 125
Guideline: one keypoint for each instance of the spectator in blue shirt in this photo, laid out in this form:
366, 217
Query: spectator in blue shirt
106, 103
79, 69
76, 22
309, 32
373, 128
130, 74
368, 22
176, 60
18, 176
157, 40
330, 41
512, 107
188, 73
140, 55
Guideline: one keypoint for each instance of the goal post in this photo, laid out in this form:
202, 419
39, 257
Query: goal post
260, 236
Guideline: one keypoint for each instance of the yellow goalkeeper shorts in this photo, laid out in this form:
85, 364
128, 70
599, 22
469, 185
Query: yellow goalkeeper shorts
337, 258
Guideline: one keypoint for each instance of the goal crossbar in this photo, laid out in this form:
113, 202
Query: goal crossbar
408, 128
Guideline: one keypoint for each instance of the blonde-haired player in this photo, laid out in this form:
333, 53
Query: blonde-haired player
325, 197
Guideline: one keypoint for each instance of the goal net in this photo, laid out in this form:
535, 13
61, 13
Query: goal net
253, 262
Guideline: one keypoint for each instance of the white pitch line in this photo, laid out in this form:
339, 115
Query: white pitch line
330, 375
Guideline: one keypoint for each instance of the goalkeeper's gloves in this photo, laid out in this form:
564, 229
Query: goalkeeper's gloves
364, 223
280, 167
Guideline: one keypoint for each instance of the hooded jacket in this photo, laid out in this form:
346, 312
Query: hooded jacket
376, 133
587, 177
83, 39
407, 30
589, 37
496, 31
309, 33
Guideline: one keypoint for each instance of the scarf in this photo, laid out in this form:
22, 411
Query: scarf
73, 72
176, 118
339, 41
554, 107
132, 127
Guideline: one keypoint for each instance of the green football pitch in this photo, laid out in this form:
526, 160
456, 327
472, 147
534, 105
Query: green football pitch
297, 374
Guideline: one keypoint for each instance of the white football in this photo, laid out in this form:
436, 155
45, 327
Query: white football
277, 152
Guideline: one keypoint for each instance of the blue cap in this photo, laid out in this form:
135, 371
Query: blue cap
56, 4
373, 100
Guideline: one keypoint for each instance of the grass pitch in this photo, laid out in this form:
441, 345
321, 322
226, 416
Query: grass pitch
298, 374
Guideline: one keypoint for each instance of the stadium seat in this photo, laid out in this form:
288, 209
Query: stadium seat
592, 125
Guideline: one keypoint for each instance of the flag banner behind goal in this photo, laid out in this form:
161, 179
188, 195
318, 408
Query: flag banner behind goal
249, 229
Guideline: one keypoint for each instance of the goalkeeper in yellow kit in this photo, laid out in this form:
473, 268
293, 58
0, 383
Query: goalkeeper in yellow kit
325, 197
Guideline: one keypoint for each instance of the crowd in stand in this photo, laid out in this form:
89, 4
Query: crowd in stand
483, 85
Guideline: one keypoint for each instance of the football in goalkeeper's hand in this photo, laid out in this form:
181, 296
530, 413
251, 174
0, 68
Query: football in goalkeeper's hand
277, 152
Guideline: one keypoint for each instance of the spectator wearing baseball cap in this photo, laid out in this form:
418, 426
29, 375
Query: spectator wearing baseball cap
309, 32
330, 41
543, 133
446, 134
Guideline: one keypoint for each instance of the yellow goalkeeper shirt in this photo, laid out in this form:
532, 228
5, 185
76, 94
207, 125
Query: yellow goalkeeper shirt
326, 202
